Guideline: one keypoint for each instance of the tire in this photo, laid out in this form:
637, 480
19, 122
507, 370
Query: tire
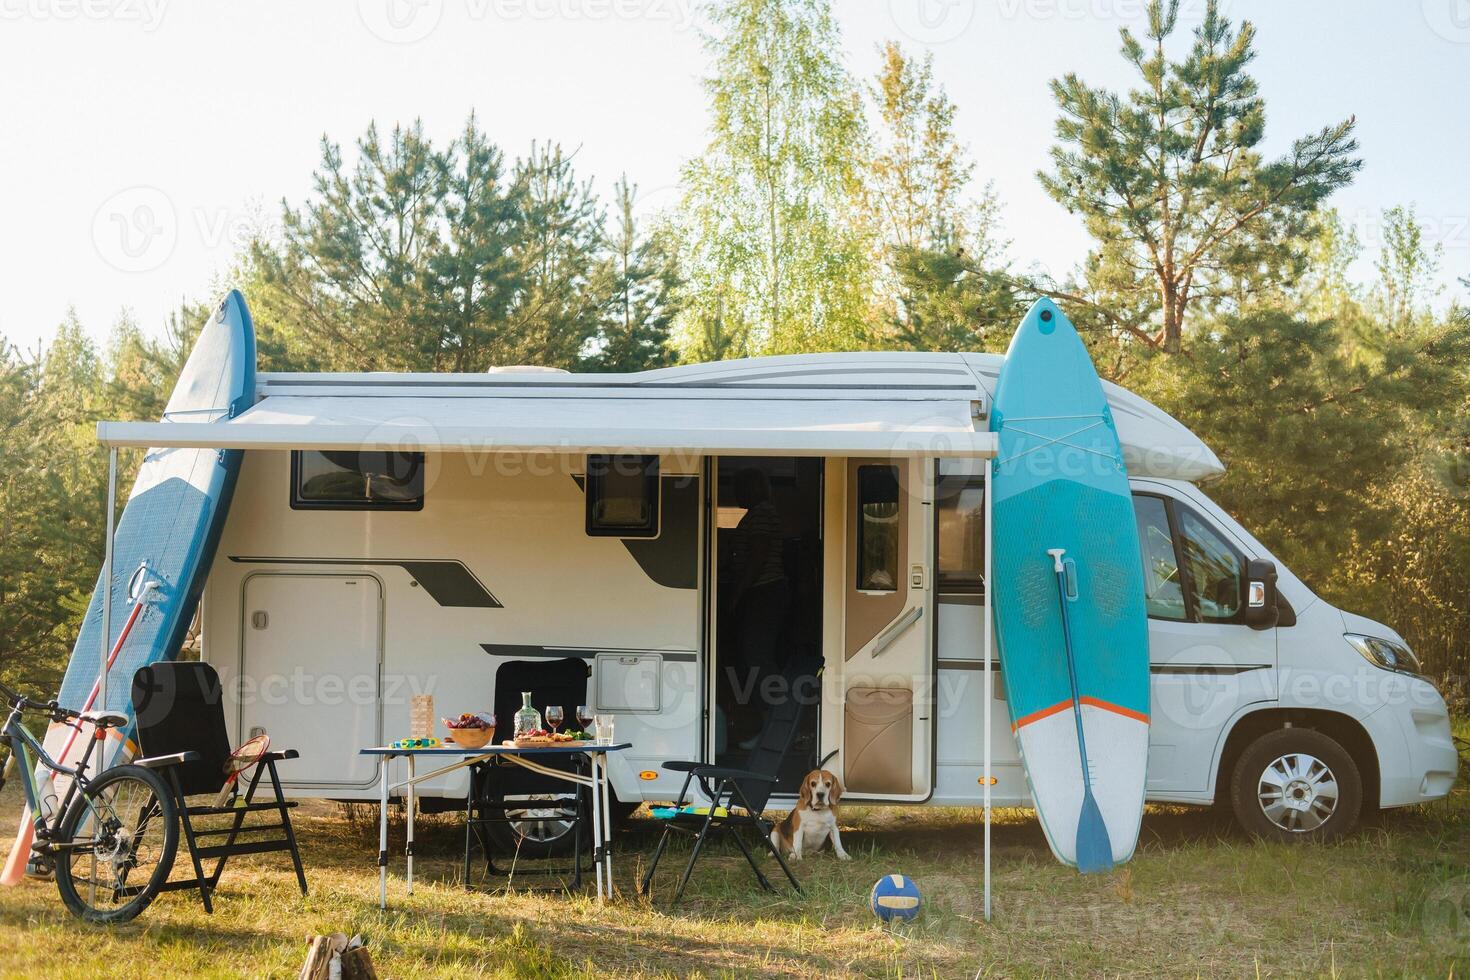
538, 835
553, 838
140, 833
1296, 785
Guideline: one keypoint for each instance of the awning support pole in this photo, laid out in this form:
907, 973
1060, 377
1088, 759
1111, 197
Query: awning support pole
989, 536
107, 576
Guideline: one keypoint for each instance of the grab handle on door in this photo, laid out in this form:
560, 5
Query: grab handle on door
892, 633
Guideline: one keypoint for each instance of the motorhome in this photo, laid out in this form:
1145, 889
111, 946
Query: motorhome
401, 534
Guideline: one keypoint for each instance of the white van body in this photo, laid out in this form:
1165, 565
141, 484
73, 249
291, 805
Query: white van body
327, 620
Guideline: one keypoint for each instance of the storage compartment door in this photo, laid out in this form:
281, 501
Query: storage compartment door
311, 673
878, 741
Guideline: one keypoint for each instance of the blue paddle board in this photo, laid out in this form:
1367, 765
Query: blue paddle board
1068, 595
162, 549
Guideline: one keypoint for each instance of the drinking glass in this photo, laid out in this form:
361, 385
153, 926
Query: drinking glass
554, 716
605, 729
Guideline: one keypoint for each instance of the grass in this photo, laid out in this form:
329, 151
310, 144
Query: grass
1199, 899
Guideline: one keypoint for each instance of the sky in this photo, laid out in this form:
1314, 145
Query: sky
141, 141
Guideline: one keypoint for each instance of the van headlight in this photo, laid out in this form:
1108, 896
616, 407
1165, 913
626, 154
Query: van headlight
1388, 654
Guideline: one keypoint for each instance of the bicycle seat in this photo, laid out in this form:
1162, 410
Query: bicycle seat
105, 719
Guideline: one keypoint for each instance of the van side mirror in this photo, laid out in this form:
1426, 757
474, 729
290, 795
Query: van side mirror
1261, 610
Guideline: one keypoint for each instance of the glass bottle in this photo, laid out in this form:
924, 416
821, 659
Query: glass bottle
528, 719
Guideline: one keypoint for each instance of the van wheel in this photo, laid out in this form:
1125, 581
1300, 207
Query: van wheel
541, 828
1296, 784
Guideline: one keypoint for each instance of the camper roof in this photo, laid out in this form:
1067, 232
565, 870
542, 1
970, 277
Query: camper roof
868, 404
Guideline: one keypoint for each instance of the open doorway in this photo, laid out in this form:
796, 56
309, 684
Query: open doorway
768, 565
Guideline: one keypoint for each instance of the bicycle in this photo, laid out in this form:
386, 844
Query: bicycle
113, 837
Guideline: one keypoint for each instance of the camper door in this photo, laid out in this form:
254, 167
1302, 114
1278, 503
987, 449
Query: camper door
886, 739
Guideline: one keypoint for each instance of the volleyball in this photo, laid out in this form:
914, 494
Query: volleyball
895, 897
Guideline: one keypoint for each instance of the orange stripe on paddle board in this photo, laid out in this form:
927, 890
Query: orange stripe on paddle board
1086, 699
1116, 709
1043, 713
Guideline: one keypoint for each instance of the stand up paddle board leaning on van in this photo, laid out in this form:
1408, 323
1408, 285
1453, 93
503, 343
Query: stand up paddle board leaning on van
160, 554
1069, 599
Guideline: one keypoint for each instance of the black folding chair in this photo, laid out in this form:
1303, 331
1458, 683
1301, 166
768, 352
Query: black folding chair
500, 793
737, 797
181, 717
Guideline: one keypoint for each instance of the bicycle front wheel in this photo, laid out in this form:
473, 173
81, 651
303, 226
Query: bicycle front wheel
116, 845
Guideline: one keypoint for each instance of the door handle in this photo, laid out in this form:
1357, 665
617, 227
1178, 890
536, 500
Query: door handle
892, 633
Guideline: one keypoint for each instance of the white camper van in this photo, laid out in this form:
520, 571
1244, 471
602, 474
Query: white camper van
393, 535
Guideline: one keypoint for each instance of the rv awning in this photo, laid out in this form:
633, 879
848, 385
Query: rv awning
907, 426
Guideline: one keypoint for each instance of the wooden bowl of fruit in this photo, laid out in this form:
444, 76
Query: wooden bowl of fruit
471, 731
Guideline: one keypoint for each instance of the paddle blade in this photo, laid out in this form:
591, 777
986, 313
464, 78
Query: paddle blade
1094, 849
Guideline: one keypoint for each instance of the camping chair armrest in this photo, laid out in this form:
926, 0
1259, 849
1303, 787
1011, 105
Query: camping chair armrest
277, 755
682, 766
726, 772
164, 761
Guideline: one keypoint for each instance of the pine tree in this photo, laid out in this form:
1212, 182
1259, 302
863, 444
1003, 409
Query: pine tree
477, 275
1171, 182
634, 333
423, 259
561, 261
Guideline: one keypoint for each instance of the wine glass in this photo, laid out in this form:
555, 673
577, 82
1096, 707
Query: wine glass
585, 715
554, 717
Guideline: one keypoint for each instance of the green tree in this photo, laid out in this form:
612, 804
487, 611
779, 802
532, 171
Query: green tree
422, 259
1325, 287
942, 279
1171, 182
1319, 442
919, 177
350, 286
1407, 265
478, 274
770, 240
562, 265
52, 499
634, 332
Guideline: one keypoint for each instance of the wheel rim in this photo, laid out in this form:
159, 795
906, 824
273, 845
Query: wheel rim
127, 834
1298, 793
541, 824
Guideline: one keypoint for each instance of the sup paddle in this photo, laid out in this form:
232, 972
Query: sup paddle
1094, 850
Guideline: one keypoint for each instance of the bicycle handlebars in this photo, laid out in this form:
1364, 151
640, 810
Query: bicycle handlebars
53, 710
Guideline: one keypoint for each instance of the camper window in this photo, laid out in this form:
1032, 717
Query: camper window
1163, 591
877, 528
622, 496
1214, 569
334, 480
961, 507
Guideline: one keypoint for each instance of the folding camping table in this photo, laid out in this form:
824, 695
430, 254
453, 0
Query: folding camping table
462, 758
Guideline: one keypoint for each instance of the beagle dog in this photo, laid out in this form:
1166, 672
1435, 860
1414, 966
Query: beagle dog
814, 821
